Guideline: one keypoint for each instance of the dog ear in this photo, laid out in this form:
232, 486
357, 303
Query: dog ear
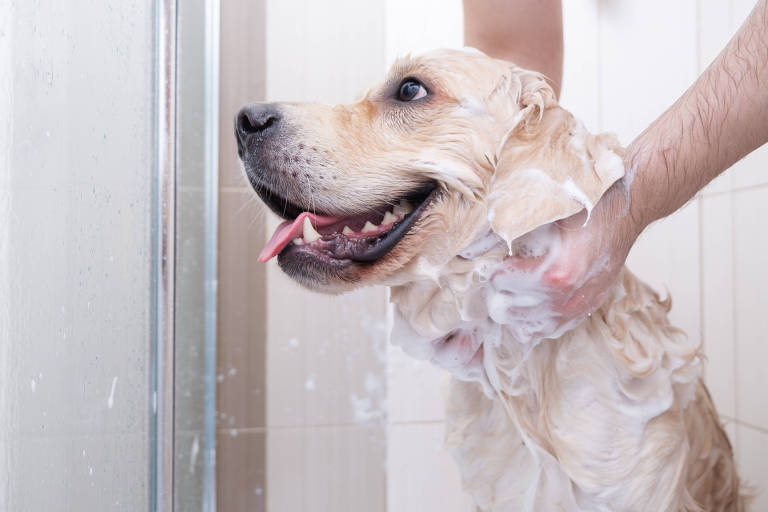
548, 166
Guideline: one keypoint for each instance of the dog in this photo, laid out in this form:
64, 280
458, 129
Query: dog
429, 184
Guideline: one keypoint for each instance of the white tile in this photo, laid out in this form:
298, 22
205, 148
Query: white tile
415, 389
750, 209
667, 257
581, 92
717, 301
752, 170
730, 430
414, 27
323, 51
421, 474
722, 183
714, 29
647, 60
740, 9
752, 457
338, 469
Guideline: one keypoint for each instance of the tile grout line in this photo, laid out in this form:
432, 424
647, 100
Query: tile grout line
746, 424
731, 190
734, 317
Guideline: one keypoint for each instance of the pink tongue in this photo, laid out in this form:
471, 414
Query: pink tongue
288, 230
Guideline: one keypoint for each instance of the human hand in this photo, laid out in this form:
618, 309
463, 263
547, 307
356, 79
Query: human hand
562, 272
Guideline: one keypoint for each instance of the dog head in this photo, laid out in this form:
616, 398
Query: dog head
451, 145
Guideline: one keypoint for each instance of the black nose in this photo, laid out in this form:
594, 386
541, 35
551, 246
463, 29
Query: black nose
257, 119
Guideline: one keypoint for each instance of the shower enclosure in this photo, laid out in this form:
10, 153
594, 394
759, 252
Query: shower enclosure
108, 227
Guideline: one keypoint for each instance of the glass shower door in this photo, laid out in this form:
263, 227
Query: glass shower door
77, 258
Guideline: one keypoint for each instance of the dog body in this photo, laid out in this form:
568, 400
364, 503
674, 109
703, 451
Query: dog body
432, 184
609, 416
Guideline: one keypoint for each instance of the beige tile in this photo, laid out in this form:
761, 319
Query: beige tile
581, 93
752, 457
242, 71
328, 469
421, 474
631, 62
326, 355
241, 477
751, 304
415, 389
241, 313
667, 257
717, 301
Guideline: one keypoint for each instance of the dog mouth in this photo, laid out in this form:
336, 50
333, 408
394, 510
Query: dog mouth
364, 237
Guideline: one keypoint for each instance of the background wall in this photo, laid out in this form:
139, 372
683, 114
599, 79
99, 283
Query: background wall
343, 422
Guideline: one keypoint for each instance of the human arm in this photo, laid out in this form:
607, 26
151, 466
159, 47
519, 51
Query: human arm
526, 32
719, 119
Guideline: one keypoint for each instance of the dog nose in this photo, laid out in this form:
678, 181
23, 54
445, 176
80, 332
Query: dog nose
257, 119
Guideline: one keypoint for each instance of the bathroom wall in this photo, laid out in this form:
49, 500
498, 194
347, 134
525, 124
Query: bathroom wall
76, 176
242, 286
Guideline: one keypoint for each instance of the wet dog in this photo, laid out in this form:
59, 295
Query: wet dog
456, 163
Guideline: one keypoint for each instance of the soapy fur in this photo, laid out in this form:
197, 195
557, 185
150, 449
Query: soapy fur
603, 413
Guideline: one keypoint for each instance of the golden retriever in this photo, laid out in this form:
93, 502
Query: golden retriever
428, 185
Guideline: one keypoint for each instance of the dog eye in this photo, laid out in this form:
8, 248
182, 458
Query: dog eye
411, 90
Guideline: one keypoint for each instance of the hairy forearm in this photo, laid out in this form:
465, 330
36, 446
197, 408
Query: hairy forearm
526, 32
720, 119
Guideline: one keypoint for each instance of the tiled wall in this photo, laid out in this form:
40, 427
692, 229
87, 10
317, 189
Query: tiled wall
242, 327
314, 371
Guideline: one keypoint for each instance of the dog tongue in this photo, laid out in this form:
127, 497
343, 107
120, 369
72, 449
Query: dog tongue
289, 230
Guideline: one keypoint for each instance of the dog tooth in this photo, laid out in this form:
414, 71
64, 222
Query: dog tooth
369, 227
347, 230
298, 241
389, 218
406, 206
399, 212
310, 235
